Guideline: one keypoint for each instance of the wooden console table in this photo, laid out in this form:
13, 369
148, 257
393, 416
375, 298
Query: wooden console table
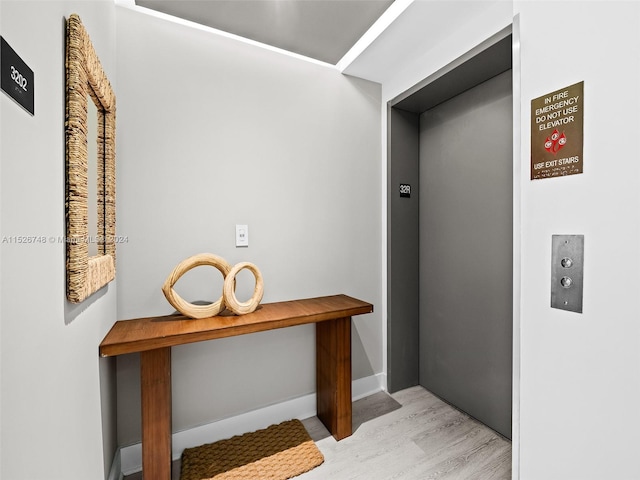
153, 337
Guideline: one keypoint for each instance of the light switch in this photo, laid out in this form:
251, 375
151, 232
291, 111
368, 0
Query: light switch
567, 272
242, 235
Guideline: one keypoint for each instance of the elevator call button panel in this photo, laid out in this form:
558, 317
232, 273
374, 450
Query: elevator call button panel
567, 272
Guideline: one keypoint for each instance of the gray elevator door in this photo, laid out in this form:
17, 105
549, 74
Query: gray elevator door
466, 203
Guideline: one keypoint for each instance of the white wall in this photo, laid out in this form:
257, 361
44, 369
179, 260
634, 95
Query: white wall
580, 374
214, 132
426, 37
57, 396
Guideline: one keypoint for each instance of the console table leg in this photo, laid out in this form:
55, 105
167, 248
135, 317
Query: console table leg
333, 375
155, 376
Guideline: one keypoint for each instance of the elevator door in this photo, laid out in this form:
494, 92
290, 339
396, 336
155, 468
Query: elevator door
466, 265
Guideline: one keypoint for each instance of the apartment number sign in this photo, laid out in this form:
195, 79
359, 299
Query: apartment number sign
16, 78
557, 121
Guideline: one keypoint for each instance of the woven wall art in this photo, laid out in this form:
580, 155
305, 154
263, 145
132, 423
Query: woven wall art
86, 78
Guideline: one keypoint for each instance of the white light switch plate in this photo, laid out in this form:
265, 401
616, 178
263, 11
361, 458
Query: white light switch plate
242, 235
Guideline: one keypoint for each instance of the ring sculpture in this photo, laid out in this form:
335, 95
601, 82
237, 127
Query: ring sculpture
229, 294
228, 298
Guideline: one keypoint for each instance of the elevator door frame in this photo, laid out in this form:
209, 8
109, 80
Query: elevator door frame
492, 57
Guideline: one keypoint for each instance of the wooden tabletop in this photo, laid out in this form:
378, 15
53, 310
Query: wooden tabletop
140, 334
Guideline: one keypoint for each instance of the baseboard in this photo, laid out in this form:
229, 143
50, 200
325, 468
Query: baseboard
300, 408
364, 387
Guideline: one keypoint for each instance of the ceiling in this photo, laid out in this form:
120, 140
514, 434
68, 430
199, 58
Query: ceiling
321, 29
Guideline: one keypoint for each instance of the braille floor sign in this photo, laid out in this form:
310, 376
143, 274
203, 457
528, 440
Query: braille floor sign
556, 133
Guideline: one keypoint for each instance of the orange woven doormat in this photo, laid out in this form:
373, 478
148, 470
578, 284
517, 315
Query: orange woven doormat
278, 452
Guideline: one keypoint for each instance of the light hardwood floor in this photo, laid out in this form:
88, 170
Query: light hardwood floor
424, 439
409, 435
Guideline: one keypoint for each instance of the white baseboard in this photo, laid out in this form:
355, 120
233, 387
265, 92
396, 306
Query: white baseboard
364, 387
300, 408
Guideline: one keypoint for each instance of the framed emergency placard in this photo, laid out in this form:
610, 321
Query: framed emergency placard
557, 133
